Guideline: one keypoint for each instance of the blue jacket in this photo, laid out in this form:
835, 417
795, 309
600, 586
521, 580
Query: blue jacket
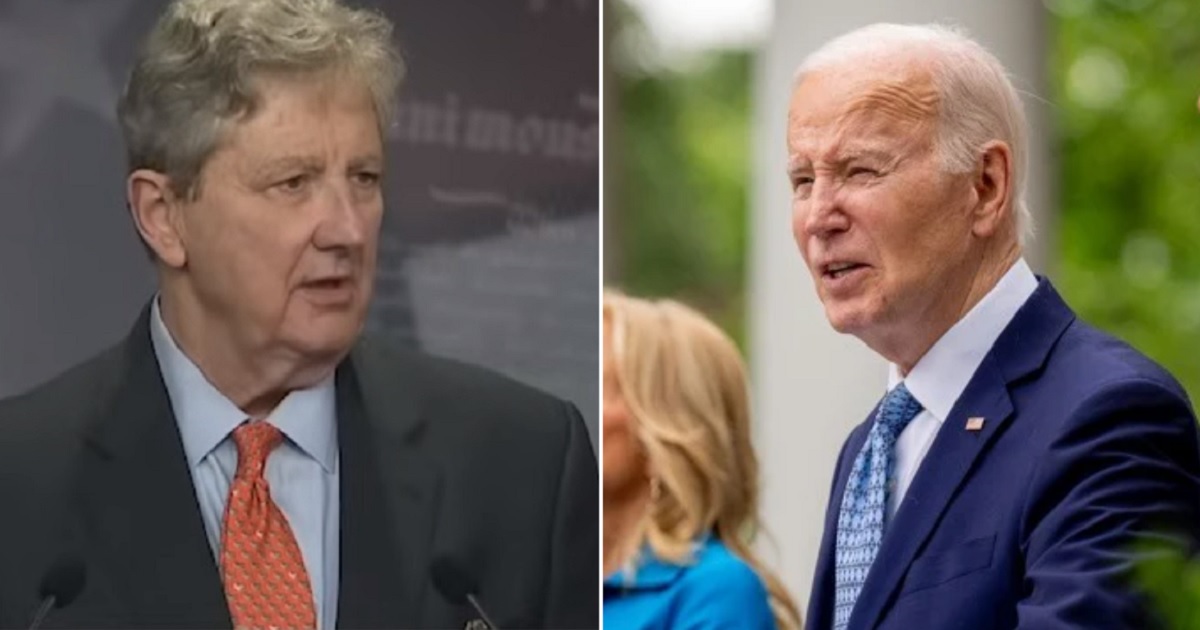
718, 591
1028, 522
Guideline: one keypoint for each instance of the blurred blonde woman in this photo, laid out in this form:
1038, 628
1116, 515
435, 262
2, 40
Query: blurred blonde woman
680, 477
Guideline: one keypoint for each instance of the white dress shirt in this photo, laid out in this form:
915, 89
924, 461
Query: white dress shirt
939, 378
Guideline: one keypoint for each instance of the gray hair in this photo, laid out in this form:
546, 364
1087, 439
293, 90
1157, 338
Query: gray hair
977, 99
196, 72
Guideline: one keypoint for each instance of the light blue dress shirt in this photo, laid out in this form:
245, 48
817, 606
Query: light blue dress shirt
716, 591
302, 471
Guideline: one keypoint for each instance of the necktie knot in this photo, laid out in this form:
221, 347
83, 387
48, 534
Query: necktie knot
255, 441
897, 411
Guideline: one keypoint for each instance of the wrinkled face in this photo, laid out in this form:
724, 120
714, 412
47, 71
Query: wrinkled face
281, 240
880, 225
624, 461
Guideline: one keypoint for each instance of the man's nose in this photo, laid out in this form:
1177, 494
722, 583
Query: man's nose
824, 214
343, 224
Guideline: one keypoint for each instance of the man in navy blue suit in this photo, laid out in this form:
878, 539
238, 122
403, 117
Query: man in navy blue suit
1020, 456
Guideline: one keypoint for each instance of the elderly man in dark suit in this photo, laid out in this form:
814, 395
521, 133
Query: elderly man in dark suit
1019, 455
243, 458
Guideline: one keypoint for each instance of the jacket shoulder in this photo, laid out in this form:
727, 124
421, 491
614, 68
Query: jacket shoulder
1092, 362
59, 407
455, 388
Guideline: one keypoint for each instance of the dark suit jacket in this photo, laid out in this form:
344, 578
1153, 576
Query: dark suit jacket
437, 458
1028, 522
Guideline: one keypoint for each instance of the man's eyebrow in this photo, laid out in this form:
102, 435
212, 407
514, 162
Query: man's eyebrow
869, 153
370, 160
277, 166
862, 151
796, 163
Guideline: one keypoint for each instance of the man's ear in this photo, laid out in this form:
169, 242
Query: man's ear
155, 210
993, 181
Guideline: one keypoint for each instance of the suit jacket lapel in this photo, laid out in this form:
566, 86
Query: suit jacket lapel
1021, 349
141, 519
389, 492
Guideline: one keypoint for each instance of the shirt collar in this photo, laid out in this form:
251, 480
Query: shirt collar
307, 416
205, 416
939, 377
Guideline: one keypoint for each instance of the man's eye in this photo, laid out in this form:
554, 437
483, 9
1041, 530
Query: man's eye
292, 184
367, 178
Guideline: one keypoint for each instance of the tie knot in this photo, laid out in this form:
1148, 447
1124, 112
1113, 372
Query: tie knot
898, 409
255, 441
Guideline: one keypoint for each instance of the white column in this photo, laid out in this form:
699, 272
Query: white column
811, 384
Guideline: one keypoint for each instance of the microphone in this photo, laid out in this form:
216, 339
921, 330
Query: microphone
458, 586
60, 586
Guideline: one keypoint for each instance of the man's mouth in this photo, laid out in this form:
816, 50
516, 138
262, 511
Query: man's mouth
328, 283
839, 269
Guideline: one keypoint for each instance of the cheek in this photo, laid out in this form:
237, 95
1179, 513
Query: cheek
372, 228
799, 217
935, 238
211, 228
893, 223
265, 268
279, 261
621, 454
616, 432
228, 251
374, 212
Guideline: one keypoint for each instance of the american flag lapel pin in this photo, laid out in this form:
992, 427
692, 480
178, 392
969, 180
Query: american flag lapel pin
975, 423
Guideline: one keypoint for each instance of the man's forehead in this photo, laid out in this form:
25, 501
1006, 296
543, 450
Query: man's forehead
862, 110
293, 153
264, 144
904, 91
862, 133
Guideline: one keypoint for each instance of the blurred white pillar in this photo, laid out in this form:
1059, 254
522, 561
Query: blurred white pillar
813, 385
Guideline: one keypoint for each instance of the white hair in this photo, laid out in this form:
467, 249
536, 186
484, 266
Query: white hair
977, 100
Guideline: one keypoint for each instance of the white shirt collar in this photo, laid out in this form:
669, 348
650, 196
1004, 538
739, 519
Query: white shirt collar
939, 377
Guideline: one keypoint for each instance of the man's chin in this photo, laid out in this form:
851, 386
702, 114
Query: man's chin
326, 340
845, 320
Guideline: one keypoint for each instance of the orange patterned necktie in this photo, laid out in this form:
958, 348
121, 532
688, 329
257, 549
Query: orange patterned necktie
265, 581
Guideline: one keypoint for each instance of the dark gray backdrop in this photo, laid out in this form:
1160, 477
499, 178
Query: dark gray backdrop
491, 237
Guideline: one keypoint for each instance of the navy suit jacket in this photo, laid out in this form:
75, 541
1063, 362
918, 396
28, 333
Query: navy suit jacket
1086, 446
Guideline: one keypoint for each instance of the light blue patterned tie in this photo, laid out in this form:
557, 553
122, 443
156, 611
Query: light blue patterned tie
864, 505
